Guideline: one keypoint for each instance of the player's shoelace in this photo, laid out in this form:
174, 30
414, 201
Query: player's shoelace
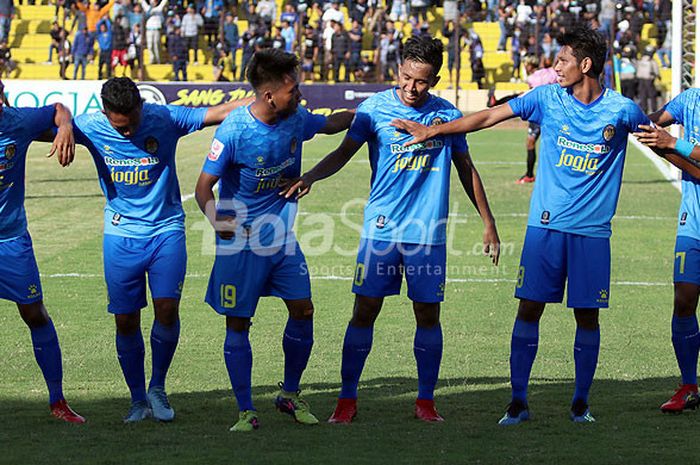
161, 398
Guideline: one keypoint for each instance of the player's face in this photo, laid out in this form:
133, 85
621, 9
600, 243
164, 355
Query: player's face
285, 98
569, 71
415, 80
126, 125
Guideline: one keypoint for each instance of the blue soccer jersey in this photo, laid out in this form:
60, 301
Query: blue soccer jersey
685, 110
250, 157
18, 128
582, 154
138, 174
410, 186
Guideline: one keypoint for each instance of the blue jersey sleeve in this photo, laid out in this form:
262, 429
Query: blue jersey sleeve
78, 128
529, 105
459, 141
636, 117
221, 153
361, 128
187, 119
676, 106
312, 123
38, 120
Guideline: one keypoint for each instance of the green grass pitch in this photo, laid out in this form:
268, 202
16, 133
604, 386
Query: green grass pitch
636, 373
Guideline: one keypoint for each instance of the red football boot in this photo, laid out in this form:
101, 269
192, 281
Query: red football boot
525, 179
62, 411
685, 398
345, 411
425, 410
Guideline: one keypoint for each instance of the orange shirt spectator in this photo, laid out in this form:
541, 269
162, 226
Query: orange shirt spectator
94, 13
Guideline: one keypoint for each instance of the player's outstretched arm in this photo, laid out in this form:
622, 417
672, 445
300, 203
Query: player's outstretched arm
480, 120
215, 115
204, 194
667, 146
63, 141
331, 164
661, 118
338, 122
471, 182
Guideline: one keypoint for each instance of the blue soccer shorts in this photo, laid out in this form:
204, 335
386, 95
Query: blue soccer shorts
238, 280
381, 266
19, 274
686, 265
127, 261
550, 258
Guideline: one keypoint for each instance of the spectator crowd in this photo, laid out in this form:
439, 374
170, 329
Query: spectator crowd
359, 40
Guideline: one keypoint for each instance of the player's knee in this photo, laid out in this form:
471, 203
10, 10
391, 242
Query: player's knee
530, 311
128, 323
365, 312
238, 324
301, 310
34, 315
427, 314
586, 318
166, 311
685, 301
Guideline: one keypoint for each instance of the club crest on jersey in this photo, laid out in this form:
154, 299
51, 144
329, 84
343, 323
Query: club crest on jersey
10, 151
151, 145
684, 218
293, 145
216, 148
260, 160
437, 121
608, 132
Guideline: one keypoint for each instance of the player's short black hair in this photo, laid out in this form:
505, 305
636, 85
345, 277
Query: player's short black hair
586, 42
120, 95
271, 65
424, 50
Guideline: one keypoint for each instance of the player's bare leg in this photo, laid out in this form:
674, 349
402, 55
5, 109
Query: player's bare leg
356, 348
165, 335
427, 348
47, 353
686, 342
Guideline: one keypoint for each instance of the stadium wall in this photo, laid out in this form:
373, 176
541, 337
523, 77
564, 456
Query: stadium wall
85, 97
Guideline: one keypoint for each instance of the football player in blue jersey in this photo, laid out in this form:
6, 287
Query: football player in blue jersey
405, 218
19, 276
584, 141
255, 149
133, 146
685, 110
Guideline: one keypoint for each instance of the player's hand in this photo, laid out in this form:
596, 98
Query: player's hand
299, 186
225, 226
419, 131
64, 145
653, 136
492, 243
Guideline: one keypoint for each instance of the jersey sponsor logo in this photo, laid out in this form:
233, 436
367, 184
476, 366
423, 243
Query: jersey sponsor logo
262, 172
139, 175
267, 184
544, 218
608, 132
151, 145
429, 144
412, 163
578, 163
580, 147
131, 162
684, 218
10, 151
381, 222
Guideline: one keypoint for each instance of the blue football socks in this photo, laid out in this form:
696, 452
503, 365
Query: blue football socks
586, 348
523, 350
163, 344
427, 348
297, 342
48, 356
356, 348
686, 343
239, 364
130, 351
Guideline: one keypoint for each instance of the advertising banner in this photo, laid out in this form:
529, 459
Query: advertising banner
84, 96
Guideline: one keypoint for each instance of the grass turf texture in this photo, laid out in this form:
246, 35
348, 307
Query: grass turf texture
636, 373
